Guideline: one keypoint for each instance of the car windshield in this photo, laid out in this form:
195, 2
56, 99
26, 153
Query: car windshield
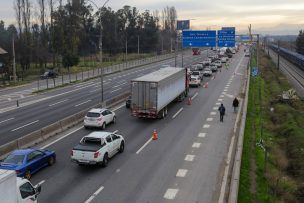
93, 115
207, 69
14, 159
195, 73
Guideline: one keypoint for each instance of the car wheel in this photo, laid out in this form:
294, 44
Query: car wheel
103, 126
86, 127
114, 119
105, 160
122, 147
28, 174
51, 161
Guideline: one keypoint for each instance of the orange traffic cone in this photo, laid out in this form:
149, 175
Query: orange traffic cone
154, 135
189, 101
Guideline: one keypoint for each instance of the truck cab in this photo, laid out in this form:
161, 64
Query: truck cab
26, 192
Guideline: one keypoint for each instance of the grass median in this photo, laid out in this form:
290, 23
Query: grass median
272, 167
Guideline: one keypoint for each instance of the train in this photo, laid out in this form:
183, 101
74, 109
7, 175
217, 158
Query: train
293, 57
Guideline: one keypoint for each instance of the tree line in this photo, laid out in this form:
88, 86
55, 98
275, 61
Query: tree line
50, 31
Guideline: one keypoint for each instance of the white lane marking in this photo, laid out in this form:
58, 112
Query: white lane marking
195, 95
215, 108
117, 170
138, 151
220, 100
206, 126
94, 90
120, 85
202, 135
95, 194
170, 193
70, 133
116, 131
58, 102
6, 120
116, 90
229, 95
217, 103
224, 91
213, 113
209, 119
222, 96
41, 182
83, 103
119, 107
196, 145
180, 110
9, 99
25, 125
181, 173
189, 157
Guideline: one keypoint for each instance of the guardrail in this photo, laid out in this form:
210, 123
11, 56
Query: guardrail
54, 128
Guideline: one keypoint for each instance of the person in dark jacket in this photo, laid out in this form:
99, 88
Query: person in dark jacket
235, 104
222, 112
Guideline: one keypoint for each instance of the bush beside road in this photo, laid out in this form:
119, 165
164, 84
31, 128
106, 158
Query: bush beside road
272, 162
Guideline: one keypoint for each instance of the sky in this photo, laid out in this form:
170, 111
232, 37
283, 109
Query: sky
265, 16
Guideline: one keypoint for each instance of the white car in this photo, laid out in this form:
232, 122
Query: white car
97, 148
207, 72
217, 63
213, 68
224, 59
195, 80
99, 117
197, 73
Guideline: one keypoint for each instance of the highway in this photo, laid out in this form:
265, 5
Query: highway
185, 163
40, 110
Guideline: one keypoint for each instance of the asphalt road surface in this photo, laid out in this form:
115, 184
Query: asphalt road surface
185, 163
38, 111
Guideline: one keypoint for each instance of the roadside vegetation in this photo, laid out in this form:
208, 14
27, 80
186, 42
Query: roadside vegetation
272, 163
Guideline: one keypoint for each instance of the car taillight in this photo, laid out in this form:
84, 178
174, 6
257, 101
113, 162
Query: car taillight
18, 171
96, 154
72, 153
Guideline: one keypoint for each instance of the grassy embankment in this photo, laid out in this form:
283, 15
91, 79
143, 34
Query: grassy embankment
272, 163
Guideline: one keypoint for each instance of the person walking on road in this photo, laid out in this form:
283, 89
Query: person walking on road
222, 112
235, 104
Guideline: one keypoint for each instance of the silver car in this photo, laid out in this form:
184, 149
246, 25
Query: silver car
99, 117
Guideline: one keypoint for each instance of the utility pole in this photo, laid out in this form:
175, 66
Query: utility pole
279, 54
14, 61
138, 44
162, 45
126, 48
175, 51
100, 62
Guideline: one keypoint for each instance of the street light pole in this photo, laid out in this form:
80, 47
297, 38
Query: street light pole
100, 49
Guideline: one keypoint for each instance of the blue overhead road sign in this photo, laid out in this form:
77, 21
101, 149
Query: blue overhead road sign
183, 25
226, 38
245, 38
228, 28
199, 38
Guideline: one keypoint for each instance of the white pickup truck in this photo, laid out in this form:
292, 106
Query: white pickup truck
97, 148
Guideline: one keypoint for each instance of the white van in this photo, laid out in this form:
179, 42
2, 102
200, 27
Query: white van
16, 190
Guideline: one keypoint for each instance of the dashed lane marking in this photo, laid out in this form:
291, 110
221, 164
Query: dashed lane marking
206, 126
213, 113
202, 135
181, 173
196, 145
189, 157
180, 110
95, 194
170, 193
209, 119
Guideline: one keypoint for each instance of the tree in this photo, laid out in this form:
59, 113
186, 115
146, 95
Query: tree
300, 42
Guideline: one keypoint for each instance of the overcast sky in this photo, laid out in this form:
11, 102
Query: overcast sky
264, 15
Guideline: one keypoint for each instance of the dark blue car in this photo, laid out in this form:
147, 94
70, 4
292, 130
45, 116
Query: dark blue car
28, 161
